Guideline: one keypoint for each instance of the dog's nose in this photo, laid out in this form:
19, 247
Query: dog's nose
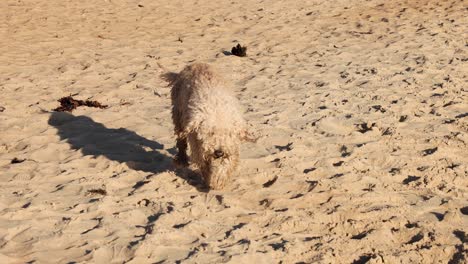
218, 153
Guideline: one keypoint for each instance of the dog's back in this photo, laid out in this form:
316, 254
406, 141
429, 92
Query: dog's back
194, 77
199, 90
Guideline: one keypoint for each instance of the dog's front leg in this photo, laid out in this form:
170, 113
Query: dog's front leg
181, 158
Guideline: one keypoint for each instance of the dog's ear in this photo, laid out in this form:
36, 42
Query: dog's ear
170, 77
247, 135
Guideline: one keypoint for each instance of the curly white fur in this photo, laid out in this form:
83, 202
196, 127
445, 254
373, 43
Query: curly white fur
206, 113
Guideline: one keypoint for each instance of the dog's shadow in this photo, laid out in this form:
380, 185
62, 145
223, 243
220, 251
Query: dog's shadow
121, 145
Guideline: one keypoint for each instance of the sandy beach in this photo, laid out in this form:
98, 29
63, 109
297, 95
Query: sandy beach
361, 107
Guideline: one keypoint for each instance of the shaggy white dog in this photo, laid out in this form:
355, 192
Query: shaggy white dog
206, 114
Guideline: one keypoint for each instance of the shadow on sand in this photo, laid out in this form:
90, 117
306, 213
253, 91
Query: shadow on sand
121, 145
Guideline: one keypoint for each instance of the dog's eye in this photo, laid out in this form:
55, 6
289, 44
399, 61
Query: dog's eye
218, 154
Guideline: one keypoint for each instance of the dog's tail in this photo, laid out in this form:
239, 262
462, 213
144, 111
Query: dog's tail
168, 76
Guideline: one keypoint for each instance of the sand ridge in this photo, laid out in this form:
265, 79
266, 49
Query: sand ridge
362, 107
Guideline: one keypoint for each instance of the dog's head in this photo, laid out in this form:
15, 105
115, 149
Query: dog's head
216, 152
219, 163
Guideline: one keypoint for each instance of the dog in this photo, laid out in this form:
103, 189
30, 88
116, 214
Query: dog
207, 118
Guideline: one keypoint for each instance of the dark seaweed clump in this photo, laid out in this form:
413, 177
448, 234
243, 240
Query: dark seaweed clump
239, 51
68, 104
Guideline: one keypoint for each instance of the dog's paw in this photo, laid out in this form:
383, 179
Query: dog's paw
180, 162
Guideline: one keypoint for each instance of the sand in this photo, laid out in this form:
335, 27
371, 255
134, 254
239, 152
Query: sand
361, 106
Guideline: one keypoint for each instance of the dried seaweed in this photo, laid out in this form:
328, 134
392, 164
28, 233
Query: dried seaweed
68, 104
16, 160
98, 191
239, 51
270, 182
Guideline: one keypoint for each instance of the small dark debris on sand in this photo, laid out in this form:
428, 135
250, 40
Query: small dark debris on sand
178, 226
98, 191
280, 245
430, 151
338, 175
439, 216
344, 151
16, 160
362, 234
364, 259
364, 127
464, 210
299, 195
411, 225
312, 185
270, 182
339, 163
286, 147
68, 104
239, 51
410, 179
461, 235
418, 237
309, 170
238, 226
